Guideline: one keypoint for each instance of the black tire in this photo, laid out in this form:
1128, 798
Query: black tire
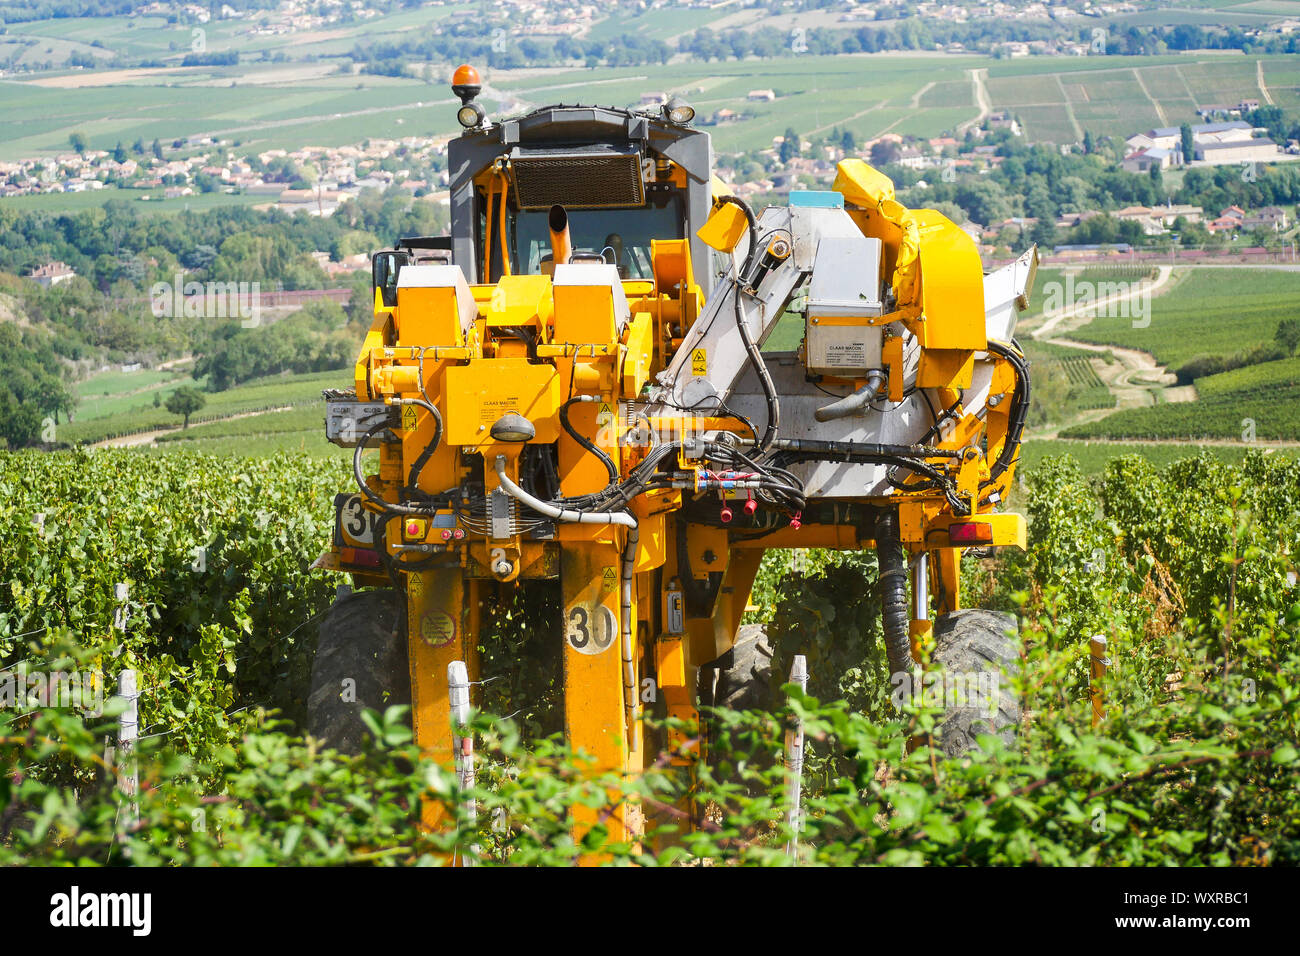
745, 680
360, 641
975, 641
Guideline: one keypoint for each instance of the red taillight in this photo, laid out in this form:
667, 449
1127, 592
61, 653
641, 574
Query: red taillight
362, 556
970, 532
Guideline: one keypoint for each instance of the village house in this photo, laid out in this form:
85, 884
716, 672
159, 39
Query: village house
51, 274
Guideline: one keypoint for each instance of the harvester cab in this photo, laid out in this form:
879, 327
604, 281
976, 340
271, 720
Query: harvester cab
573, 385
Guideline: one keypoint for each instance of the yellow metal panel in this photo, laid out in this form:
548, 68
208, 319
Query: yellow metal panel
670, 260
1009, 529
671, 674
481, 392
945, 368
724, 228
892, 355
428, 316
593, 682
640, 353
707, 547
585, 313
443, 618
952, 285
517, 300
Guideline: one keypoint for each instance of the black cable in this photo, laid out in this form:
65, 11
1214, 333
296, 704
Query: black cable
387, 507
755, 356
764, 377
412, 482
1019, 410
581, 440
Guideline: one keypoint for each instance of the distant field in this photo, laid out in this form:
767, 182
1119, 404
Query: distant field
311, 104
1209, 312
300, 419
115, 382
300, 429
137, 413
1093, 455
1118, 96
1271, 414
1267, 375
72, 202
309, 441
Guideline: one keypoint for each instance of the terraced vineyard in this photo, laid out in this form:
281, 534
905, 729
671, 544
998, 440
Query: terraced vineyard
266, 395
1271, 413
1087, 390
1208, 312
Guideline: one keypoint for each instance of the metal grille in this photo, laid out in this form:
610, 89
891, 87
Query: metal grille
577, 179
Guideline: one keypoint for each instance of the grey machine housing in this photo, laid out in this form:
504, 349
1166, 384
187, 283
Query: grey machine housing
572, 152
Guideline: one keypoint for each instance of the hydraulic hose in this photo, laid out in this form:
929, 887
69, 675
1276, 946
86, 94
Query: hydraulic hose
412, 482
559, 514
628, 564
388, 507
892, 560
852, 404
755, 356
1019, 409
630, 696
582, 439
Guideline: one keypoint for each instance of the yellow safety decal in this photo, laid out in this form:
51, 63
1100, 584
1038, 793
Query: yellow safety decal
608, 579
437, 628
409, 417
700, 362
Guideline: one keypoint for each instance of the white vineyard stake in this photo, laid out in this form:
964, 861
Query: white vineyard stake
462, 747
794, 762
128, 729
120, 593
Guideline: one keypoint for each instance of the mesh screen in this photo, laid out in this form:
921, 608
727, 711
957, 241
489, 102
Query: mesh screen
578, 180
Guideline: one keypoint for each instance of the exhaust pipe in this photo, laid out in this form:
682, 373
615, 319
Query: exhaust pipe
561, 243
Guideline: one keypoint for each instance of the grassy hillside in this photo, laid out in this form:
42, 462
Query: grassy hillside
137, 413
269, 105
1208, 312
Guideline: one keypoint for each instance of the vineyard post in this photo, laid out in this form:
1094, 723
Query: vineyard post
794, 761
121, 591
462, 747
1098, 664
128, 728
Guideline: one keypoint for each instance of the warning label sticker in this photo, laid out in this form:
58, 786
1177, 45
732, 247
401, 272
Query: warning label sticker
409, 417
437, 628
608, 579
699, 362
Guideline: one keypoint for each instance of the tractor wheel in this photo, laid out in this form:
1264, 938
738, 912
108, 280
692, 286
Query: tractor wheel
745, 682
361, 662
978, 642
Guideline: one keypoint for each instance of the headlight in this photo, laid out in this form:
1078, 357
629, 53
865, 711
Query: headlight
513, 427
470, 115
678, 111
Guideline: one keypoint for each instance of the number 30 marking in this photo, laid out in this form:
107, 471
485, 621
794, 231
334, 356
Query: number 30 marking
588, 632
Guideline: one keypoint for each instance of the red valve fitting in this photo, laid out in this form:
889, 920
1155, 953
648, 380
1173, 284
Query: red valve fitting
795, 523
725, 514
750, 505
